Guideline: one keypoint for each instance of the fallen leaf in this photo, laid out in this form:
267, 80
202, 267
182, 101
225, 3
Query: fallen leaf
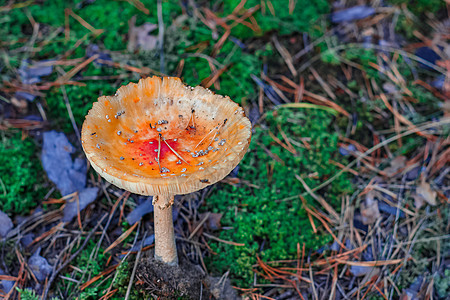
418, 201
94, 50
352, 14
369, 209
213, 221
39, 266
5, 224
140, 211
31, 73
85, 197
396, 164
69, 176
362, 270
6, 285
20, 104
390, 210
424, 191
139, 38
21, 95
346, 151
142, 244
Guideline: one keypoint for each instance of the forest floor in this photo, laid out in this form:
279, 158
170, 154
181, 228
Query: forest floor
343, 193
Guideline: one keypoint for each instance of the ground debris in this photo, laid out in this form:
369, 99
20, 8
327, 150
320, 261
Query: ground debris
424, 193
39, 266
79, 202
369, 209
141, 210
6, 285
68, 175
352, 14
5, 224
170, 282
139, 37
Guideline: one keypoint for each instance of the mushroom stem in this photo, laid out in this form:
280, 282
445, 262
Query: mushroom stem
165, 248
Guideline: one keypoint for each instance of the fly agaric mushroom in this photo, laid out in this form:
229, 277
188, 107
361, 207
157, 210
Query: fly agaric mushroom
162, 138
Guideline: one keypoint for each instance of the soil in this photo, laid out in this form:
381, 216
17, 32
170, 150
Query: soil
187, 281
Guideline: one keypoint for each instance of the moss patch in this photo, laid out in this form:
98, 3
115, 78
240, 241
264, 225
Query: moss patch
21, 185
264, 216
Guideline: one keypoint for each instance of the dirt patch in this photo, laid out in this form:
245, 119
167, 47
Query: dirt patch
170, 282
187, 281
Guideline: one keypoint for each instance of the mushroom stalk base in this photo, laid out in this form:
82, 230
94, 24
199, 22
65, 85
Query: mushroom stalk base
165, 248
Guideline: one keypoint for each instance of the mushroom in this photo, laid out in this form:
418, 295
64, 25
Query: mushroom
159, 137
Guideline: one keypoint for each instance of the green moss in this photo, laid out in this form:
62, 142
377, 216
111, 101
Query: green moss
110, 16
442, 284
21, 185
260, 217
27, 294
80, 98
276, 15
90, 265
420, 6
236, 82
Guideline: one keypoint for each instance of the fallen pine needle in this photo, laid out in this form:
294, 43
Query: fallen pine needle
121, 238
374, 263
223, 241
95, 278
309, 105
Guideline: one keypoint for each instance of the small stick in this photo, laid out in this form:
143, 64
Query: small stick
159, 152
130, 284
215, 134
69, 111
205, 138
193, 119
178, 155
220, 127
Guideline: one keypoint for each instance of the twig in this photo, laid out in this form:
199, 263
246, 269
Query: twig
199, 226
222, 241
176, 153
69, 111
130, 284
319, 199
285, 54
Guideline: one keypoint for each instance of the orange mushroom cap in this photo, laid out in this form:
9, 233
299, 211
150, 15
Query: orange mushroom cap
160, 137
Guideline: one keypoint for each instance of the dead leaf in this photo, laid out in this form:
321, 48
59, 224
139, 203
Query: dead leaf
369, 209
396, 164
139, 38
424, 191
418, 201
213, 221
20, 104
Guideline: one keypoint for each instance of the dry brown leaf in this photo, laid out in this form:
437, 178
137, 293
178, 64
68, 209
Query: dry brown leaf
369, 209
424, 191
396, 164
418, 201
139, 37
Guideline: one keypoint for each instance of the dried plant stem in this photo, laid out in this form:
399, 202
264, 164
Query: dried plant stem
165, 248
